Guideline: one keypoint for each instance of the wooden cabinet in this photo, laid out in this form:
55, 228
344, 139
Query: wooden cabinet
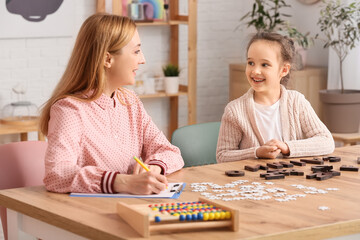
22, 129
308, 81
175, 20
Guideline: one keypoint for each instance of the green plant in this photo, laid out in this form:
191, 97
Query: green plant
266, 16
171, 70
340, 24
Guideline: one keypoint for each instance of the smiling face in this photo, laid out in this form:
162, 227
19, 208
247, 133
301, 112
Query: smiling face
121, 67
265, 68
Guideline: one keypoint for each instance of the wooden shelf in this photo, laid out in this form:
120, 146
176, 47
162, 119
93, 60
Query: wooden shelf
175, 20
161, 23
162, 94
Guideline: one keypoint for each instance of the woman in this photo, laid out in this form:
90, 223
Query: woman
95, 127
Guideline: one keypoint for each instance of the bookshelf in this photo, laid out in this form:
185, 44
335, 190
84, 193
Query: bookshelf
175, 19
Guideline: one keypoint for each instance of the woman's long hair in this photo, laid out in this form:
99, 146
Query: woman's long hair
99, 34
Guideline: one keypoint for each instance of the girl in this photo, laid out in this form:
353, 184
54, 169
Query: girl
95, 127
269, 119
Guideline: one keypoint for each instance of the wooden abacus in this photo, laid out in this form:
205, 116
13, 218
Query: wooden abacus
146, 219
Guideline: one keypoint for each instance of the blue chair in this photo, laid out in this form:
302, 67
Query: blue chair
197, 143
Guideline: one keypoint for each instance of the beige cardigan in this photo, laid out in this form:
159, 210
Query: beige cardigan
302, 130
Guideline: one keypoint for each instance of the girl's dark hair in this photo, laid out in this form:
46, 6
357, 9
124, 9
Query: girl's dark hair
285, 43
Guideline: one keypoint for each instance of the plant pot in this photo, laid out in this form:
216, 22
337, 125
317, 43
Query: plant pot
341, 110
171, 85
300, 58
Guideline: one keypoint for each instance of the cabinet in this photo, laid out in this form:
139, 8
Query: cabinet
175, 19
308, 81
23, 129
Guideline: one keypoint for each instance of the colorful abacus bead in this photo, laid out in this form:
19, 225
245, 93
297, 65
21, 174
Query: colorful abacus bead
157, 219
206, 216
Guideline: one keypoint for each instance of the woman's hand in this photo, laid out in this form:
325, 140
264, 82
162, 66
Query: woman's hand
153, 168
143, 183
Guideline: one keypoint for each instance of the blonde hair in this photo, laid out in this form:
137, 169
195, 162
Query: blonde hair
99, 34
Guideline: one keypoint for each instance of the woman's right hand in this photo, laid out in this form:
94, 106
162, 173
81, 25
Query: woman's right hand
144, 183
266, 151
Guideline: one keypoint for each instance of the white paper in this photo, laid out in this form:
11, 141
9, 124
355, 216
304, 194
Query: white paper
172, 189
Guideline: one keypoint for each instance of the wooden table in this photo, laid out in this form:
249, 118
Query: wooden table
22, 129
347, 138
42, 213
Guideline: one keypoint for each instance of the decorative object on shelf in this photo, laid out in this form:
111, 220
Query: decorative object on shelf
20, 112
151, 9
136, 10
171, 81
166, 10
340, 24
139, 87
149, 85
159, 83
266, 16
148, 11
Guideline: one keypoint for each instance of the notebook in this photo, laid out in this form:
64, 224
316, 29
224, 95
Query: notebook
173, 191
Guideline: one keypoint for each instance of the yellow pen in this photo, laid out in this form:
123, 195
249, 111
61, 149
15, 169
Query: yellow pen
142, 164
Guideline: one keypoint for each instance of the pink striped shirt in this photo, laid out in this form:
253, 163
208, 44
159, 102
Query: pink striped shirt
91, 142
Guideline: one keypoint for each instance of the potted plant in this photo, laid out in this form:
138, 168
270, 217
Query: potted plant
171, 80
340, 24
266, 16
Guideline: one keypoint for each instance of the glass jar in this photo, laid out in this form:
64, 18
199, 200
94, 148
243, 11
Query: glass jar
19, 113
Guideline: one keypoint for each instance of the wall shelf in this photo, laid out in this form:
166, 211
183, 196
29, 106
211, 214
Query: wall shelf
162, 94
175, 20
160, 23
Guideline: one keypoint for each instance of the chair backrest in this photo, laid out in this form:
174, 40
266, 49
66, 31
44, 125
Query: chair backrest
197, 143
21, 165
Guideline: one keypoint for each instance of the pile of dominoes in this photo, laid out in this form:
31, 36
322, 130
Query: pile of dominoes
319, 172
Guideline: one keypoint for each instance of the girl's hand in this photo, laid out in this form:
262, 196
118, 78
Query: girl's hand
280, 145
266, 151
143, 183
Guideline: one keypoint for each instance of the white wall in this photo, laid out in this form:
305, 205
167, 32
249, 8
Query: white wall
39, 62
351, 70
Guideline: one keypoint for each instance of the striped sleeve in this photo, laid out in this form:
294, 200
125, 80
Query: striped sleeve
107, 182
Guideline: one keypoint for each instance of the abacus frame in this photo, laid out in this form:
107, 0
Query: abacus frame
137, 217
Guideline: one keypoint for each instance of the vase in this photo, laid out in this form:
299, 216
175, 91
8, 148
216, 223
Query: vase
341, 110
171, 85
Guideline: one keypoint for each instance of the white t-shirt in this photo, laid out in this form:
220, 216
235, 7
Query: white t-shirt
269, 122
